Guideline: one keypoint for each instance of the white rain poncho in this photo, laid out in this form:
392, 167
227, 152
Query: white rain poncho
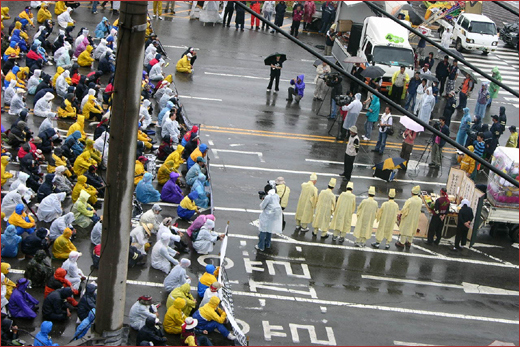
64, 61
95, 235
43, 107
421, 92
165, 229
151, 52
61, 84
85, 98
160, 92
33, 82
10, 92
149, 49
209, 13
80, 38
170, 128
17, 104
139, 238
150, 217
21, 180
4, 293
47, 122
100, 50
50, 207
59, 225
101, 144
138, 314
156, 73
168, 93
62, 50
427, 105
271, 216
353, 112
162, 254
74, 273
206, 238
12, 199
177, 277
64, 19
144, 115
61, 181
446, 39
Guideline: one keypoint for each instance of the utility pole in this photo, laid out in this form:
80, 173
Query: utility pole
113, 265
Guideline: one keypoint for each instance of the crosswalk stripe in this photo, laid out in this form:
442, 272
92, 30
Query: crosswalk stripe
494, 61
489, 65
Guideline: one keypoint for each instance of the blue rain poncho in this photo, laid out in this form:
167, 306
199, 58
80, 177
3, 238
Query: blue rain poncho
145, 192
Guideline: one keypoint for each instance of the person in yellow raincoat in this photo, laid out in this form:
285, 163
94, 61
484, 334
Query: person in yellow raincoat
5, 174
58, 159
176, 157
11, 75
19, 220
85, 58
410, 219
43, 13
467, 163
91, 109
78, 126
366, 214
83, 211
63, 245
398, 88
306, 204
184, 64
27, 15
211, 316
174, 317
182, 292
12, 52
23, 74
5, 15
386, 216
163, 175
9, 285
60, 8
345, 208
94, 153
66, 110
83, 162
141, 136
23, 34
82, 185
324, 208
139, 169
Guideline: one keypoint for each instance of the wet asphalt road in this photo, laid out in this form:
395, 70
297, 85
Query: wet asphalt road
302, 283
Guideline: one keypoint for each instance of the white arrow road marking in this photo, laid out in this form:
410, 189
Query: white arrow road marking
468, 288
282, 287
515, 245
485, 245
215, 153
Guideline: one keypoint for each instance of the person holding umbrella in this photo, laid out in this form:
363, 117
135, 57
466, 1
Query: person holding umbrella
275, 61
465, 90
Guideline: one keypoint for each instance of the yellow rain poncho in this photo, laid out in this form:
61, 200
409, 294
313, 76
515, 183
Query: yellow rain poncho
345, 208
94, 153
176, 157
27, 15
91, 106
467, 163
324, 208
83, 162
59, 161
82, 210
174, 318
184, 293
85, 59
23, 34
139, 172
78, 126
9, 285
184, 64
5, 15
306, 204
60, 8
59, 71
43, 13
63, 246
141, 136
366, 214
386, 216
68, 112
211, 311
163, 175
82, 185
5, 175
410, 217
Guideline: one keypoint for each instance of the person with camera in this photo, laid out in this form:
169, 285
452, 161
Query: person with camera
353, 109
270, 217
322, 72
350, 152
296, 89
438, 143
276, 71
385, 129
335, 83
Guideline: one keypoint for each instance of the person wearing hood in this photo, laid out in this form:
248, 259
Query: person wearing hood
63, 49
170, 127
165, 104
10, 242
342, 219
47, 187
105, 63
324, 208
165, 148
103, 28
65, 19
426, 106
199, 186
493, 87
145, 192
306, 204
84, 212
210, 292
141, 310
83, 162
464, 223
205, 239
353, 109
208, 278
74, 274
43, 13
61, 224
409, 219
102, 127
156, 72
366, 214
512, 141
5, 174
95, 235
464, 128
94, 153
184, 64
22, 304
187, 208
33, 82
162, 254
372, 117
186, 138
163, 174
18, 102
191, 145
9, 92
182, 292
43, 107
50, 207
297, 88
171, 192
66, 109
211, 317
45, 111
449, 108
177, 276
200, 152
22, 221
100, 50
19, 135
22, 181
483, 98
39, 269
58, 281
139, 170
13, 75
92, 111
63, 246
144, 114
43, 337
476, 127
150, 333
85, 325
34, 242
6, 282
55, 306
48, 137
12, 199
85, 98
88, 301
95, 181
174, 317
152, 51
140, 235
85, 59
81, 46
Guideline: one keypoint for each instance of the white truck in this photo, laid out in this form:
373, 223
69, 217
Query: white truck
472, 32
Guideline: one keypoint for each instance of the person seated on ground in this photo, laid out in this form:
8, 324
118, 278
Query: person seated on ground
18, 135
78, 126
22, 304
22, 221
82, 185
33, 82
66, 108
187, 208
205, 239
184, 64
83, 162
140, 235
209, 277
150, 334
182, 292
5, 174
88, 301
61, 181
145, 192
10, 242
9, 92
163, 255
187, 137
211, 292
48, 138
141, 136
85, 58
55, 306
85, 325
199, 187
74, 274
153, 216
156, 71
195, 171
96, 256
198, 223
140, 169
171, 192
134, 257
95, 234
62, 86
43, 13
39, 269
177, 276
141, 310
43, 338
174, 317
50, 207
191, 335
6, 282
60, 224
200, 151
62, 246
58, 281
92, 111
47, 188
9, 331
36, 241
163, 175
84, 213
165, 148
30, 164
212, 317
95, 180
28, 147
167, 108
176, 157
102, 127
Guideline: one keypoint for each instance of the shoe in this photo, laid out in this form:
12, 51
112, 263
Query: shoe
258, 249
231, 337
398, 244
341, 240
431, 164
408, 244
454, 249
375, 245
343, 174
387, 246
257, 28
268, 90
364, 138
358, 245
334, 238
94, 12
298, 229
153, 16
276, 91
428, 243
304, 230
325, 237
272, 31
251, 28
375, 150
160, 18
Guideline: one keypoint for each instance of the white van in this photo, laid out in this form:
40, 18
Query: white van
475, 32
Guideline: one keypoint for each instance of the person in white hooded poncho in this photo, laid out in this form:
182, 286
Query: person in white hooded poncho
101, 144
64, 19
144, 115
62, 85
60, 224
207, 237
74, 273
168, 93
12, 199
80, 38
39, 32
156, 72
427, 105
163, 255
33, 82
61, 181
165, 228
353, 112
50, 207
162, 89
153, 216
100, 50
270, 219
149, 55
4, 293
17, 103
170, 127
43, 107
21, 181
95, 235
65, 59
85, 98
177, 277
48, 121
62, 50
10, 92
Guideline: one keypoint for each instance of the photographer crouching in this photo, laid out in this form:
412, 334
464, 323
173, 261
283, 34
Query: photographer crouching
270, 217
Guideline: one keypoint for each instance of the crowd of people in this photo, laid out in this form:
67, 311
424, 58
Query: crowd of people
55, 166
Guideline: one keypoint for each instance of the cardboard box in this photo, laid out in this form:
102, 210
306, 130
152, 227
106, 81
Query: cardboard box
344, 25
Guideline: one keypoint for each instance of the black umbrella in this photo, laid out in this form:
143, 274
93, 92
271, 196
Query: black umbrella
456, 53
470, 73
373, 72
429, 77
413, 16
271, 60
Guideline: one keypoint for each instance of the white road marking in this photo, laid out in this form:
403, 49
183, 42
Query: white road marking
236, 145
211, 143
485, 245
198, 98
245, 253
341, 163
243, 243
248, 77
331, 340
402, 343
400, 280
308, 61
180, 47
323, 309
515, 245
282, 287
215, 153
262, 302
299, 249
